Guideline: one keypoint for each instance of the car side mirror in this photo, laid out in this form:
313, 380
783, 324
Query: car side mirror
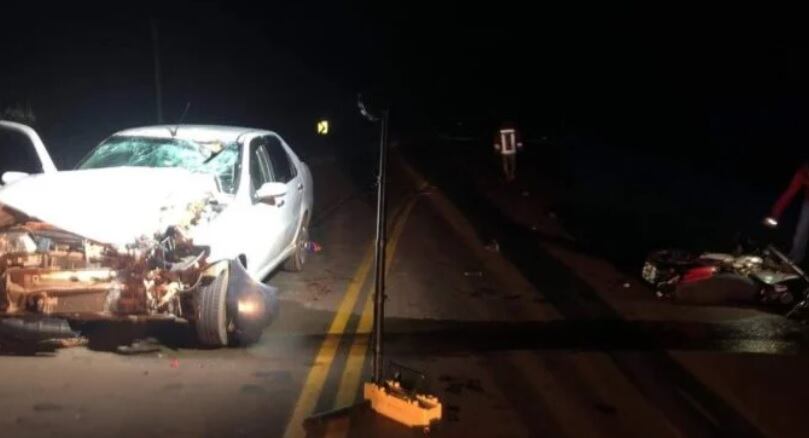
13, 176
271, 191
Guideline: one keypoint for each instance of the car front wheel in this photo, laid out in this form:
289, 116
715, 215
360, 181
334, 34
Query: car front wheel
212, 321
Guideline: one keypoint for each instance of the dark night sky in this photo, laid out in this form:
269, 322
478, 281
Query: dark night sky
645, 78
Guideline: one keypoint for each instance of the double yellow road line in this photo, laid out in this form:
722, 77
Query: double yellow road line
352, 372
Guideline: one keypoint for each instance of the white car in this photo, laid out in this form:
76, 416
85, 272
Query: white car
180, 222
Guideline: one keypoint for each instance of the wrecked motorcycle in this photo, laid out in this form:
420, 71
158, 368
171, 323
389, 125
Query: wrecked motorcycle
763, 276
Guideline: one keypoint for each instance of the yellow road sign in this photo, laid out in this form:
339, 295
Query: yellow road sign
323, 127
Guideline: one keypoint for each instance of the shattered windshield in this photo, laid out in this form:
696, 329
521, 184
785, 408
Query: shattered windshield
211, 158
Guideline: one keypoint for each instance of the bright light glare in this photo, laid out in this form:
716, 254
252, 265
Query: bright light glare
248, 307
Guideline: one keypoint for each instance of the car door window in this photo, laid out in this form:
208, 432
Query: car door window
282, 168
17, 154
259, 165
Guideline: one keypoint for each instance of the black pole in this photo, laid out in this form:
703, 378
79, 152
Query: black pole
157, 81
381, 239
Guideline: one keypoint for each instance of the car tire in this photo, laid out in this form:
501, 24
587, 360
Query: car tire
296, 261
212, 318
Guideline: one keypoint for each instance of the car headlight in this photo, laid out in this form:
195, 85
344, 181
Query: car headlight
17, 242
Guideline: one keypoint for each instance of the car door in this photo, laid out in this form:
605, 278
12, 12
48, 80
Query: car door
284, 171
267, 221
22, 154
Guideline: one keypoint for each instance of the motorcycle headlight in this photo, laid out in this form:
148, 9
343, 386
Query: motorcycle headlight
17, 242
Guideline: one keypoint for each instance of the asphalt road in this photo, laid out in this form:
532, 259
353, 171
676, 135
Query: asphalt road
535, 337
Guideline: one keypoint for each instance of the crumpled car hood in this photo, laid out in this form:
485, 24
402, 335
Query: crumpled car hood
113, 205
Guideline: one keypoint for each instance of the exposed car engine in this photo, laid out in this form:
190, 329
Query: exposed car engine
50, 271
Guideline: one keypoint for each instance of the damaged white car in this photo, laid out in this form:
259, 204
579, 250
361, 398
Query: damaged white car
163, 222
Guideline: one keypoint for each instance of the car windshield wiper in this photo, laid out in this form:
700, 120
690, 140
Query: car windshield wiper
216, 149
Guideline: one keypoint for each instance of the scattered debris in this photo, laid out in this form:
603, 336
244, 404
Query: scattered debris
452, 413
454, 388
605, 408
47, 407
275, 377
488, 290
627, 285
318, 287
252, 389
173, 387
141, 346
72, 342
493, 246
313, 247
474, 385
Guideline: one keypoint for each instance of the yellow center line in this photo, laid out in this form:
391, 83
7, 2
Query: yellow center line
350, 380
310, 392
316, 378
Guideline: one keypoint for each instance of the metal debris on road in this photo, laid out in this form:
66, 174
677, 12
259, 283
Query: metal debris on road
141, 346
72, 342
493, 246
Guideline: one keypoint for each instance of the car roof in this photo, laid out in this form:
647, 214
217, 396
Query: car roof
199, 133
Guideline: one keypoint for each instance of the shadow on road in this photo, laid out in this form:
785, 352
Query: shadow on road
111, 336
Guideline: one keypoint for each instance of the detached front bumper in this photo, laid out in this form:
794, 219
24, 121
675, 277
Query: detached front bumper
35, 329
